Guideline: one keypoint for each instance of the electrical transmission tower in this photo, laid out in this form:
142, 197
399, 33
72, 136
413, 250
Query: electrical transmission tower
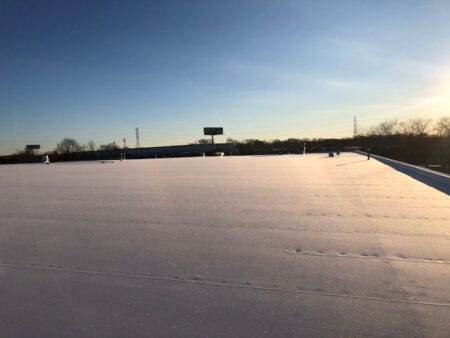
138, 144
355, 126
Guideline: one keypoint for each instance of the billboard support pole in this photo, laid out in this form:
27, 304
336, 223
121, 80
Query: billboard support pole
32, 148
212, 131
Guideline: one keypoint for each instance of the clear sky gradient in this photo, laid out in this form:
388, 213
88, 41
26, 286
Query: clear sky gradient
261, 69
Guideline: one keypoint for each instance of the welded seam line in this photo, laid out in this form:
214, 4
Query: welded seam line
230, 285
350, 255
239, 226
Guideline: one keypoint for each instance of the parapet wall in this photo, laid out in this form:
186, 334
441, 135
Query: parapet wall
437, 180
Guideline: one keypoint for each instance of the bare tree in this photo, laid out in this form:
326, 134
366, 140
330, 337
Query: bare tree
404, 128
231, 140
109, 146
385, 128
91, 145
363, 131
418, 126
68, 145
442, 126
203, 141
25, 151
389, 127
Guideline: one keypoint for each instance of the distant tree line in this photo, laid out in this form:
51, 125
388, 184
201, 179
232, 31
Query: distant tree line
68, 149
70, 145
415, 127
417, 141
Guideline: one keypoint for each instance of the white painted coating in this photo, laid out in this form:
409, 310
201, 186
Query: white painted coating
259, 245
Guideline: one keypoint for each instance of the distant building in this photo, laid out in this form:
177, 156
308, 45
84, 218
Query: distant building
183, 150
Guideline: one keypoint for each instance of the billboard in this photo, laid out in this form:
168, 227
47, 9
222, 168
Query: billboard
213, 131
33, 146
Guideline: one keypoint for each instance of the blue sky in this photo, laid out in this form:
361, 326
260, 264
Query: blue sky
261, 69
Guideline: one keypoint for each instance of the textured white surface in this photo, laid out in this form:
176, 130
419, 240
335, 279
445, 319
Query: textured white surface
243, 246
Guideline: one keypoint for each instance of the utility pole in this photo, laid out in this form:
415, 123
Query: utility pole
138, 144
355, 126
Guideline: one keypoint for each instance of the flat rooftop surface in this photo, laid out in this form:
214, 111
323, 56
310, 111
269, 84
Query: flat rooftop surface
282, 246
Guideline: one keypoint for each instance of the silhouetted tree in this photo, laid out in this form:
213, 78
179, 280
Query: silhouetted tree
231, 140
203, 141
418, 126
109, 146
68, 146
91, 145
442, 126
389, 127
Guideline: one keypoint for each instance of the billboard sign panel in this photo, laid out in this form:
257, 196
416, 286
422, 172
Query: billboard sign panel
213, 131
33, 146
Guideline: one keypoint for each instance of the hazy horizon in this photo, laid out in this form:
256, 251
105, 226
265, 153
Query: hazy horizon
259, 69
